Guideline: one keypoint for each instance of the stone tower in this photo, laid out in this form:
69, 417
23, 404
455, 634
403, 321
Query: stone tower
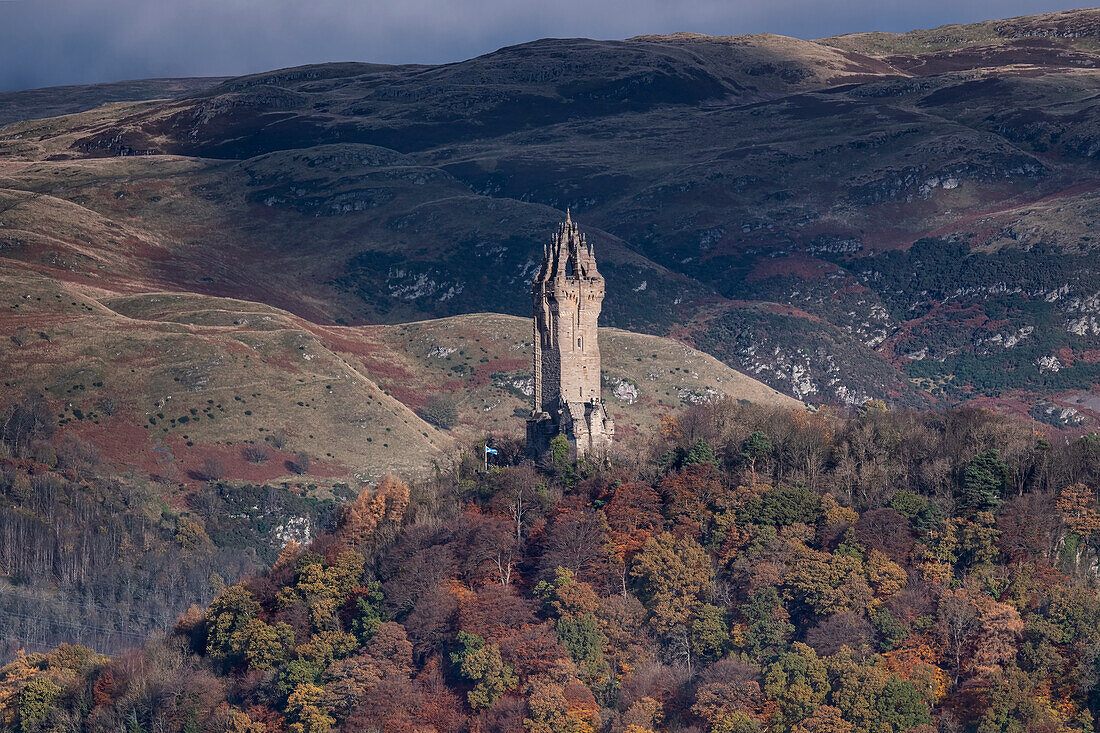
568, 294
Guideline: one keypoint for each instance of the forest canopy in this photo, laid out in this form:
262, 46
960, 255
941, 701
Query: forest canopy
753, 570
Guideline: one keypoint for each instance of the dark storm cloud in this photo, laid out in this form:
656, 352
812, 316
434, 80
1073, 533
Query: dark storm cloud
48, 42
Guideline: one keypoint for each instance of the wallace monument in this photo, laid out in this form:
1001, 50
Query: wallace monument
567, 296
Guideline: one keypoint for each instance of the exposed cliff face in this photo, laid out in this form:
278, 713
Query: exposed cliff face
759, 197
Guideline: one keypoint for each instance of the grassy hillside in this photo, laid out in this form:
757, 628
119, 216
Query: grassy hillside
189, 378
164, 382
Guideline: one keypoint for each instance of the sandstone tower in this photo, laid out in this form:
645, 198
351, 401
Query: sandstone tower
568, 294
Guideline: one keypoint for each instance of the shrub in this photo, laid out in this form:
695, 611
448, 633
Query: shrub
77, 455
256, 453
212, 469
440, 411
301, 463
28, 421
43, 452
277, 439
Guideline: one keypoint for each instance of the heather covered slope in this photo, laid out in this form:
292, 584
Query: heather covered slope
758, 197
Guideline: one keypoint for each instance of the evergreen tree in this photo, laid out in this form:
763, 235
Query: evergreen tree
756, 447
700, 453
984, 481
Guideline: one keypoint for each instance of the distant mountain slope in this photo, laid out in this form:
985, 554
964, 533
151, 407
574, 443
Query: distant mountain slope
33, 104
873, 215
1067, 29
413, 108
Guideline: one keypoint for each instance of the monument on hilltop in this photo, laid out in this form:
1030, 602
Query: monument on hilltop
568, 295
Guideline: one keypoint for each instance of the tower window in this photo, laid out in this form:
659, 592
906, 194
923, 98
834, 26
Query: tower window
578, 343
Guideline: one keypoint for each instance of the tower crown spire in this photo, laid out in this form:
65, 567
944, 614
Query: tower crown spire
569, 254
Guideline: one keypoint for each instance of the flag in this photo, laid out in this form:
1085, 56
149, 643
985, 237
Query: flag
490, 451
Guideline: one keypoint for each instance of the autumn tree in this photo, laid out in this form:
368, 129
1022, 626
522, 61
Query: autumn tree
957, 624
825, 719
372, 517
322, 588
1077, 506
36, 701
798, 681
673, 577
887, 531
728, 694
756, 448
977, 540
782, 506
692, 497
1000, 628
264, 647
710, 633
304, 709
558, 703
645, 714
577, 539
369, 611
575, 605
481, 664
227, 617
844, 629
767, 629
519, 493
633, 514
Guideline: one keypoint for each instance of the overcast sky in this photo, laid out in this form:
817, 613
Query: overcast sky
51, 42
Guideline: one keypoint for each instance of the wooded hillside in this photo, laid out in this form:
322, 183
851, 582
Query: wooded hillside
755, 570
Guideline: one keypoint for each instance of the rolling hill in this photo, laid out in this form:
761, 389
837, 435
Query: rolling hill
164, 382
898, 216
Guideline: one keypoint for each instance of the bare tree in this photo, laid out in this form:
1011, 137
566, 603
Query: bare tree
256, 453
212, 469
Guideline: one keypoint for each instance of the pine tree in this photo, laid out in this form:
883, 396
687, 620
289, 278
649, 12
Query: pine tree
984, 480
700, 453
